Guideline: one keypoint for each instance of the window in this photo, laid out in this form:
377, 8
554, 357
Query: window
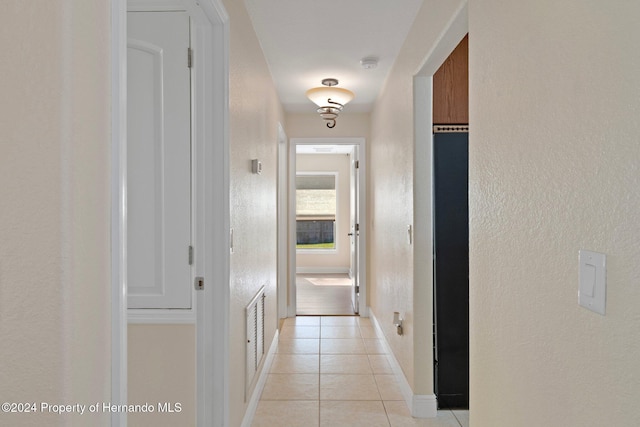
316, 211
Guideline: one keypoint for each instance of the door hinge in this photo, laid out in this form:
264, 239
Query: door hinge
357, 289
357, 227
189, 57
357, 162
190, 255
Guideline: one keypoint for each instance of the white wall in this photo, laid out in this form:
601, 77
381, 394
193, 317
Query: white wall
54, 215
255, 113
340, 259
554, 168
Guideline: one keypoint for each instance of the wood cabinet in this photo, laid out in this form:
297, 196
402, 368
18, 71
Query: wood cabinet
451, 87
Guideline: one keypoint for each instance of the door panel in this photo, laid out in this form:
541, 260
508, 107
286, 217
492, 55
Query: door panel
451, 269
159, 161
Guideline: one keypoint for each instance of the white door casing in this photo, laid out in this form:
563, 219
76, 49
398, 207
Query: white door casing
283, 231
159, 164
354, 229
210, 114
360, 145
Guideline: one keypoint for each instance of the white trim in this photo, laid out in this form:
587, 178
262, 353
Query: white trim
211, 131
291, 220
323, 270
262, 379
454, 31
155, 5
161, 316
424, 406
420, 405
283, 220
318, 251
118, 209
361, 143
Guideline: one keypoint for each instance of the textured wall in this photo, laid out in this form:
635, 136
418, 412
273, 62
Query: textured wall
311, 125
554, 168
54, 214
255, 112
162, 368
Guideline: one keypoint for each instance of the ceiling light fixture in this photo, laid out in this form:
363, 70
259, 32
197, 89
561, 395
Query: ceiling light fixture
330, 100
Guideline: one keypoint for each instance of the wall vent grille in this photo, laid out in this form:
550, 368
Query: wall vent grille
254, 336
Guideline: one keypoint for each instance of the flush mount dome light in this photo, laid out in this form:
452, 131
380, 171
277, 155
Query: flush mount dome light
330, 100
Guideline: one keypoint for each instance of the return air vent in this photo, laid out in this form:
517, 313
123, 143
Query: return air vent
255, 336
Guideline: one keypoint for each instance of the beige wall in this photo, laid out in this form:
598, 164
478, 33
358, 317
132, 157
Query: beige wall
341, 258
554, 168
54, 214
311, 125
162, 368
255, 112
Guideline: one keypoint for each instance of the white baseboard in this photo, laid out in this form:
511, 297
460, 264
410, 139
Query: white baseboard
262, 379
161, 316
322, 270
424, 406
420, 405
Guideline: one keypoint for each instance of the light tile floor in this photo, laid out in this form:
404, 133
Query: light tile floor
333, 371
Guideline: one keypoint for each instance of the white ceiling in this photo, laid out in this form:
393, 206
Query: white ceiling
305, 41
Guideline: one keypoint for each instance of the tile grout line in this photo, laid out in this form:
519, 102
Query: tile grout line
386, 413
381, 400
456, 417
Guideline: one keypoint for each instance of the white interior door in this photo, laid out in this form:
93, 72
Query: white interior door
354, 232
158, 160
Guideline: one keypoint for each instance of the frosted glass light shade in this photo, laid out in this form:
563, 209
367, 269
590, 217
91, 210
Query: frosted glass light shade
321, 95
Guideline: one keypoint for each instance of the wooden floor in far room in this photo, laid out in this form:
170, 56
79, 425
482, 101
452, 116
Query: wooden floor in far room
323, 294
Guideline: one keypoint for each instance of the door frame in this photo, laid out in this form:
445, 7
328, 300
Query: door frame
362, 194
354, 226
210, 118
454, 31
283, 218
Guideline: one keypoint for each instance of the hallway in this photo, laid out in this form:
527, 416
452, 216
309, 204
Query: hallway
323, 295
333, 371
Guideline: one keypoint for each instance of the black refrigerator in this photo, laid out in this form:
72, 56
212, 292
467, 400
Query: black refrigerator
451, 265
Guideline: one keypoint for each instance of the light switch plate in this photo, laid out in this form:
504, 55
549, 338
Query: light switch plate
592, 292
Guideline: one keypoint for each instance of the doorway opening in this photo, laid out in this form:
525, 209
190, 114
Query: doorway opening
324, 222
451, 229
